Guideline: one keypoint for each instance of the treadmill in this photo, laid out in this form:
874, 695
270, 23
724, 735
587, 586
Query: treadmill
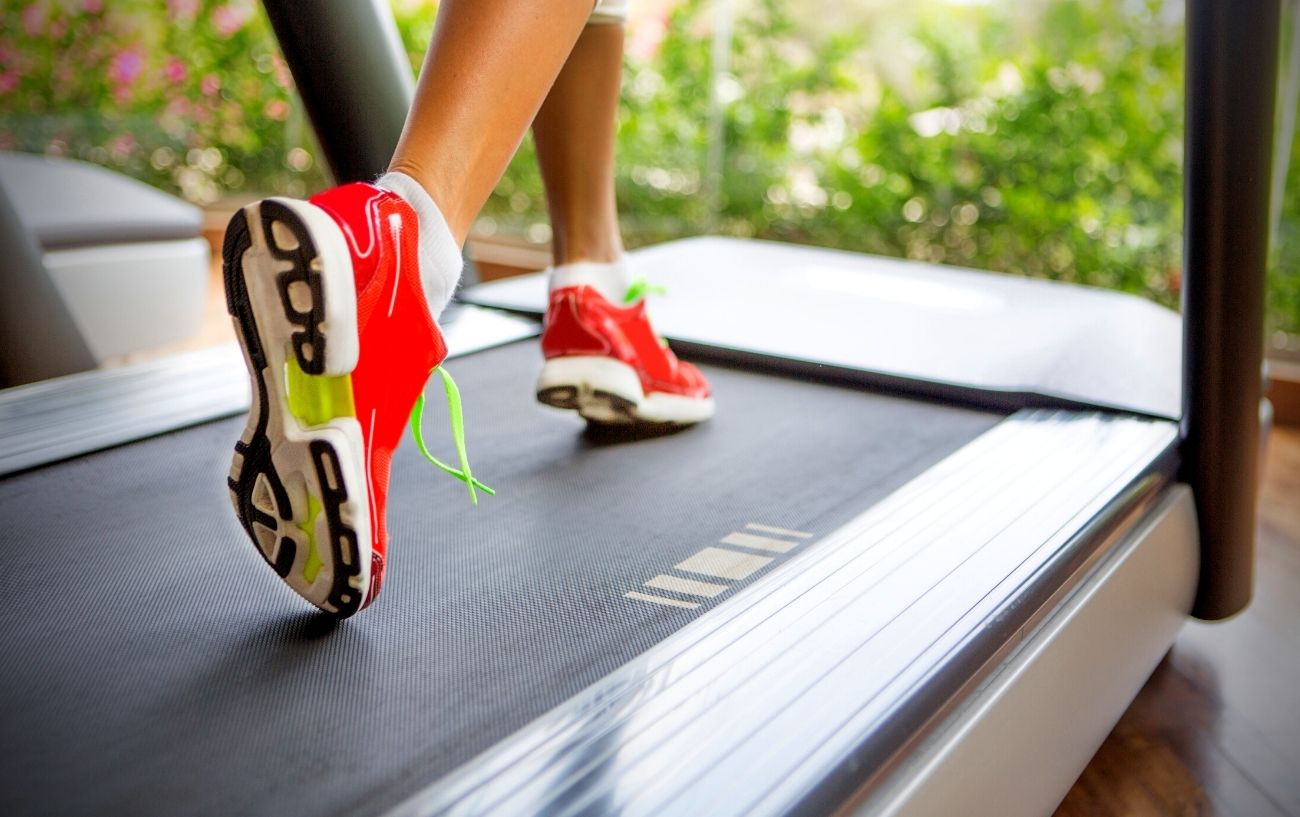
941, 530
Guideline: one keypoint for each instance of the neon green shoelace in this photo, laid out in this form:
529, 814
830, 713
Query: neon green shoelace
457, 434
638, 289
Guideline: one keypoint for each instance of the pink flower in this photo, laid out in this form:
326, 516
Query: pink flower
122, 146
280, 71
8, 81
182, 9
126, 67
92, 6
33, 18
174, 71
210, 85
229, 19
646, 38
276, 109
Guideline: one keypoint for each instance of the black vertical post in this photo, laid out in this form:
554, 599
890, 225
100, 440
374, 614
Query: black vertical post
1232, 64
352, 73
353, 76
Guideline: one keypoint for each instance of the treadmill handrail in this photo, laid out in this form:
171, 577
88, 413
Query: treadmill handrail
349, 67
1232, 66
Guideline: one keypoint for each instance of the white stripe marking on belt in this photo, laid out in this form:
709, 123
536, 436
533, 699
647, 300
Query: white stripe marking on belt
688, 586
723, 563
796, 534
632, 594
749, 540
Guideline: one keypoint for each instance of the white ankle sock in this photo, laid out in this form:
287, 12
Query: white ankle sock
609, 278
440, 259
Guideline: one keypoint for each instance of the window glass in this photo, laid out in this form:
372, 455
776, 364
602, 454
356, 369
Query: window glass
1037, 138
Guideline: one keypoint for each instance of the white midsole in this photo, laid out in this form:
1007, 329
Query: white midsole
290, 439
337, 283
662, 407
605, 374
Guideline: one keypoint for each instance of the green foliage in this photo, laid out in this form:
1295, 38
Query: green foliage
1284, 281
191, 96
1283, 301
1040, 138
1064, 163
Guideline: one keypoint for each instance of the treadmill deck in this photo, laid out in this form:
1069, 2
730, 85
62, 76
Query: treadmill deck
154, 664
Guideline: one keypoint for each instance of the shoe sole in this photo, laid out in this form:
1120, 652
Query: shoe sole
298, 480
608, 392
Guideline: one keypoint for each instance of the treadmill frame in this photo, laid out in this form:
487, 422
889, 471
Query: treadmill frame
865, 647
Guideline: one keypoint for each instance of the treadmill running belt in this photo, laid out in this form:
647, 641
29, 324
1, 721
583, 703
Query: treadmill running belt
153, 664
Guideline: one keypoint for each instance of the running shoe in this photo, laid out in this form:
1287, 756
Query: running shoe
606, 362
339, 341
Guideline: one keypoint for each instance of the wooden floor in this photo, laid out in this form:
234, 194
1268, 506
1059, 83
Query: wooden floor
1217, 728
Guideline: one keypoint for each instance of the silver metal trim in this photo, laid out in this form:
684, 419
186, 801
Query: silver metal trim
74, 415
1031, 725
784, 697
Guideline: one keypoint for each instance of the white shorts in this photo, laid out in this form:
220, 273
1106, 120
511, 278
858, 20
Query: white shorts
609, 11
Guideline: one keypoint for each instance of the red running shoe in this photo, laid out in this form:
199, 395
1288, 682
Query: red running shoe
330, 311
606, 362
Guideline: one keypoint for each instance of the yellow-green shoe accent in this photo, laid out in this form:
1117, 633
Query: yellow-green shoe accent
312, 564
317, 399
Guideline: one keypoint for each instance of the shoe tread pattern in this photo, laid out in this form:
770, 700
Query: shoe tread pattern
255, 461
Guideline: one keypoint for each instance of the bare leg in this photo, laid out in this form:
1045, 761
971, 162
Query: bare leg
488, 69
574, 133
603, 357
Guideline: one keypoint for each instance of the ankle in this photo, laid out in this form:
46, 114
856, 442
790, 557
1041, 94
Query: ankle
611, 279
440, 194
440, 253
598, 247
608, 256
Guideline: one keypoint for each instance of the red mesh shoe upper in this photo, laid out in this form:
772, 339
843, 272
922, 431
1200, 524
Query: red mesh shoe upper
400, 342
581, 321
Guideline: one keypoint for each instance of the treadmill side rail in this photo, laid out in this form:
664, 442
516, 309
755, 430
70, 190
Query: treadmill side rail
1018, 743
45, 422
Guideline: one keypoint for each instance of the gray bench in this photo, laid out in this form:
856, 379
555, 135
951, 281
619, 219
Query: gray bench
128, 262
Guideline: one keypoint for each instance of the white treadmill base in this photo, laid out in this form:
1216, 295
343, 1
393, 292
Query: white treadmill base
1019, 743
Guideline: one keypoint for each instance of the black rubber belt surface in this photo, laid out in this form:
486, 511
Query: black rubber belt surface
153, 664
